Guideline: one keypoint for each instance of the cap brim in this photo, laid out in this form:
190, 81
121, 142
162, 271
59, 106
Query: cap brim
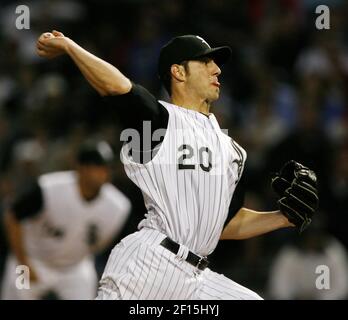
220, 54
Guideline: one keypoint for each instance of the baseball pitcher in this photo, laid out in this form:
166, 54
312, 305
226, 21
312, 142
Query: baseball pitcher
188, 174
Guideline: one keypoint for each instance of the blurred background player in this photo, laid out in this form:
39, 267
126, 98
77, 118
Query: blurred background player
56, 225
295, 271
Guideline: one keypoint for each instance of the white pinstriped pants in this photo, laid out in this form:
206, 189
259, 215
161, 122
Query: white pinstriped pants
139, 268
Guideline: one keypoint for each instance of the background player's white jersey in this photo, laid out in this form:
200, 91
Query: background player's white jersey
188, 185
69, 227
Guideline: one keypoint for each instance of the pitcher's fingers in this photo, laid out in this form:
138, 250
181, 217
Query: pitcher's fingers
57, 33
40, 46
41, 53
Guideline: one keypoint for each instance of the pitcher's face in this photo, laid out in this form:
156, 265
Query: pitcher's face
202, 78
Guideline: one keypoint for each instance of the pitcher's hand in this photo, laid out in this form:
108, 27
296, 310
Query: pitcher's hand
51, 44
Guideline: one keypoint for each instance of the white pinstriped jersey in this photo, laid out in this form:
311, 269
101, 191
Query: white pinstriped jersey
68, 228
189, 183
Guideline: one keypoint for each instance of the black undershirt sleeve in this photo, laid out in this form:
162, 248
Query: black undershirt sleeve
237, 201
137, 106
28, 203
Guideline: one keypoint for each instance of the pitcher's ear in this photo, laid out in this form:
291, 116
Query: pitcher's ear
178, 72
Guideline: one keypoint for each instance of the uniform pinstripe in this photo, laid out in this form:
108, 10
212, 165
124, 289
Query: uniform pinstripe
187, 188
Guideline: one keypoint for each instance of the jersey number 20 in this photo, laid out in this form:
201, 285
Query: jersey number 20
204, 155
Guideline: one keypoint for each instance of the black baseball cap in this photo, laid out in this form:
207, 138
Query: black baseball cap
95, 153
189, 47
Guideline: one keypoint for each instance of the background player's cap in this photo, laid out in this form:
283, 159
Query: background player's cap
95, 153
189, 47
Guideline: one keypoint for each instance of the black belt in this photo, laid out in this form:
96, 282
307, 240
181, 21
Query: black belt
199, 262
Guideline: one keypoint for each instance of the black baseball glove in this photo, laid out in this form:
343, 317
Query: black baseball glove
296, 186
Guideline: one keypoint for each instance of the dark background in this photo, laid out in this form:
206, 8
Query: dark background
284, 96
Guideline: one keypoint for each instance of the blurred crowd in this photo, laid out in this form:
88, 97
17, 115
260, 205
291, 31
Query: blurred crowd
284, 96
